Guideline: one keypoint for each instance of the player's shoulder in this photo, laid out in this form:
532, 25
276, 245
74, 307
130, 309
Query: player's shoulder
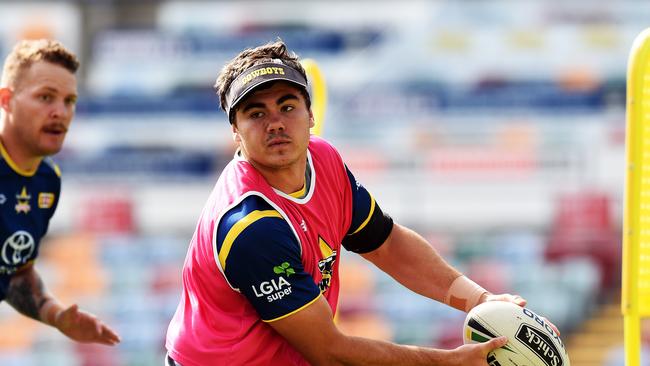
320, 147
251, 213
251, 227
49, 167
319, 142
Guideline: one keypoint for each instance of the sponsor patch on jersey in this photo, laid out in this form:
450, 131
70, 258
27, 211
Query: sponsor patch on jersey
16, 251
274, 289
45, 200
284, 268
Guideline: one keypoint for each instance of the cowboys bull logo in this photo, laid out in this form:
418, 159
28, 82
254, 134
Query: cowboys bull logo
325, 266
18, 248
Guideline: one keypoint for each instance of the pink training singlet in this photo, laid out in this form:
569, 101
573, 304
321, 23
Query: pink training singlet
215, 324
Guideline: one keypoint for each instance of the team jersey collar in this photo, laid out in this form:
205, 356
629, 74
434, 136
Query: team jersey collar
310, 183
301, 196
13, 165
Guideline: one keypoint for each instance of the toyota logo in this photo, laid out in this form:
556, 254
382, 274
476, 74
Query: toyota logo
18, 248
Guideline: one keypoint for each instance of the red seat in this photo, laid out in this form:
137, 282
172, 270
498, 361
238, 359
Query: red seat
583, 226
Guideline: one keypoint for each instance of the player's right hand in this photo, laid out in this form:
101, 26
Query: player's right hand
84, 327
475, 354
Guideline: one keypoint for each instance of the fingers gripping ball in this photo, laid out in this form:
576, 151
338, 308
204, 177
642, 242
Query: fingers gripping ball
531, 340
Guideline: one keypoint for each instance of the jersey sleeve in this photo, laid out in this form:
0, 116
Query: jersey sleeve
261, 258
370, 226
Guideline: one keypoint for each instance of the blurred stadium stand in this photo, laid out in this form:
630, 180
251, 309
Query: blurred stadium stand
496, 129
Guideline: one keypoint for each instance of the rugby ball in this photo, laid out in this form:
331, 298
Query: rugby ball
531, 340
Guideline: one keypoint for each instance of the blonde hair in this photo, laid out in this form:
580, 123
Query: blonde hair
27, 52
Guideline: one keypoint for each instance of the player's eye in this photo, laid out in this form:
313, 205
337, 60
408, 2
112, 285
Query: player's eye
45, 98
256, 115
287, 108
71, 101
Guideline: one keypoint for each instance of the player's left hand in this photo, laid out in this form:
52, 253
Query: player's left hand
84, 327
515, 299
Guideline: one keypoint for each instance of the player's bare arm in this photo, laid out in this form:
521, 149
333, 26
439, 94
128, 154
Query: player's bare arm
28, 296
428, 274
26, 293
313, 332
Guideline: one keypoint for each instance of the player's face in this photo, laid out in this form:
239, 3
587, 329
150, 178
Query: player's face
272, 126
40, 108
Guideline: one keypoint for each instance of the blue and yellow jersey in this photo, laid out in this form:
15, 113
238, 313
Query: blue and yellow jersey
27, 202
261, 256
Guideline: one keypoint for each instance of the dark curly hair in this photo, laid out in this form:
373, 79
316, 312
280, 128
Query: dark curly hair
251, 57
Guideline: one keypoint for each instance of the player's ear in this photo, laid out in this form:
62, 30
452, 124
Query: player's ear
235, 133
5, 98
311, 119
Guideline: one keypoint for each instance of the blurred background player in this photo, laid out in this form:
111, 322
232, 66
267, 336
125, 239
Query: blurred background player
38, 95
261, 277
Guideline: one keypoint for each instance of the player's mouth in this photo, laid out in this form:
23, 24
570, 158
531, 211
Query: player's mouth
278, 141
55, 129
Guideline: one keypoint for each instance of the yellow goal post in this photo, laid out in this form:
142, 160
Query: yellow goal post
635, 299
318, 94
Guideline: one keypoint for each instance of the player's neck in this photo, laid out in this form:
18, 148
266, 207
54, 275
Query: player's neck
288, 179
17, 158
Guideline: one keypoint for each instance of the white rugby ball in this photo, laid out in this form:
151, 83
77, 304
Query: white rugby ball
531, 341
